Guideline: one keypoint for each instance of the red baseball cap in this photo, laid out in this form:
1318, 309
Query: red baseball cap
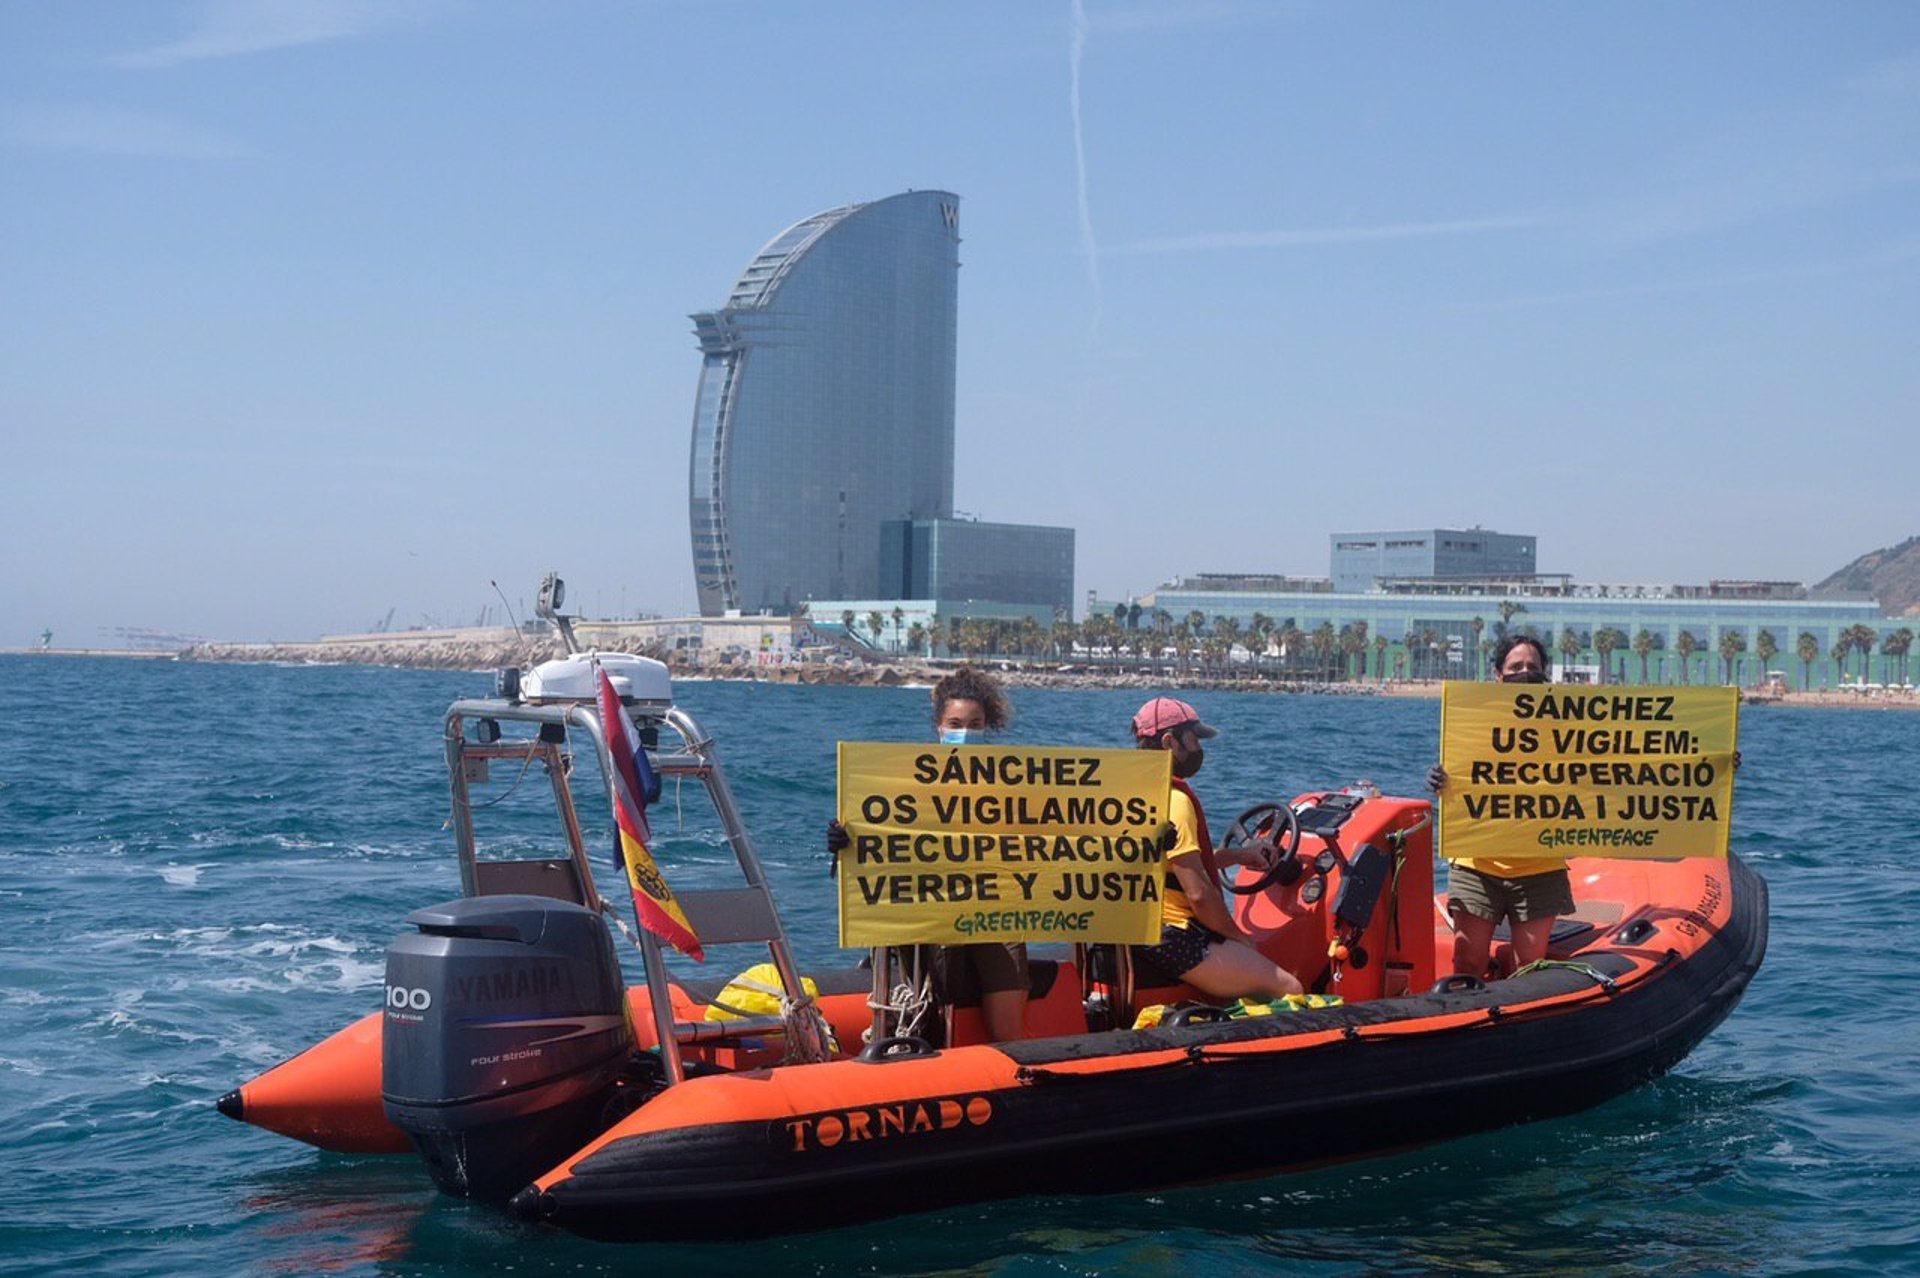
1165, 714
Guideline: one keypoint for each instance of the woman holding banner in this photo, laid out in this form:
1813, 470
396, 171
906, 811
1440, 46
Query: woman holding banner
1531, 891
968, 705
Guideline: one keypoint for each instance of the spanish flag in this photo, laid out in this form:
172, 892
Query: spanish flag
653, 903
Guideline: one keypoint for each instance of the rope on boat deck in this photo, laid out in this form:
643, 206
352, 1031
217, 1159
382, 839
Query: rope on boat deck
1605, 982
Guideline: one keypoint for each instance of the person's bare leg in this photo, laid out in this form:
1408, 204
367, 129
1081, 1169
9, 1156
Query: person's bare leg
1234, 970
1530, 941
1472, 943
1005, 1012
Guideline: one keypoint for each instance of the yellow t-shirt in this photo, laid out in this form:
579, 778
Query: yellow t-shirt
1518, 868
1175, 909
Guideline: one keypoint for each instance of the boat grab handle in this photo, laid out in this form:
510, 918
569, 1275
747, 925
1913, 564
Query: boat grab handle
895, 1047
1198, 1014
1635, 932
1458, 983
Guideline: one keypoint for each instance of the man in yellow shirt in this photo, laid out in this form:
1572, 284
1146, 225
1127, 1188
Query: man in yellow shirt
1199, 941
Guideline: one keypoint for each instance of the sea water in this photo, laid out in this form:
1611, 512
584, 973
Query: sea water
201, 867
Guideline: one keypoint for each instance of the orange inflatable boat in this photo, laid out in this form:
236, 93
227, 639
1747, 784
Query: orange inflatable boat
510, 1056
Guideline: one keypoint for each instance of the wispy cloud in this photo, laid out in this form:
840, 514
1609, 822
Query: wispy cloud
112, 131
1788, 183
1894, 253
1211, 241
230, 28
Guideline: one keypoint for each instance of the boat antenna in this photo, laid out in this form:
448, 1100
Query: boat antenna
515, 620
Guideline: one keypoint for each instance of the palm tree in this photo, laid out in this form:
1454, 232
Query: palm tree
1479, 624
1686, 645
1259, 632
1732, 644
875, 620
1807, 648
1507, 608
1182, 639
1032, 639
1842, 649
899, 616
1380, 656
1183, 643
1228, 629
1429, 643
1292, 640
1864, 637
1570, 645
1353, 639
1088, 636
1902, 644
1889, 646
1324, 642
1605, 640
846, 623
1765, 647
1643, 648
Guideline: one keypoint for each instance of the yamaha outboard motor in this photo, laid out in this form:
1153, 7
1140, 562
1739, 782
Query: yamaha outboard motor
505, 1031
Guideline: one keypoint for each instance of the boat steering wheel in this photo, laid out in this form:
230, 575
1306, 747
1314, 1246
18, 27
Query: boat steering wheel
1274, 830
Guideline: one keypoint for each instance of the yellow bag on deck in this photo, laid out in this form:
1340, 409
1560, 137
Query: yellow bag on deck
755, 992
1240, 1009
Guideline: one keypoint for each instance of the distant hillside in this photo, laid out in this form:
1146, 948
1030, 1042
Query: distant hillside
1893, 575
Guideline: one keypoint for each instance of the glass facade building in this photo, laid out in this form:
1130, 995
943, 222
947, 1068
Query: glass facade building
1360, 559
1441, 634
967, 559
825, 404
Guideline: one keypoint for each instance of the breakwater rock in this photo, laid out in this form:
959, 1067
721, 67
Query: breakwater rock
423, 652
491, 650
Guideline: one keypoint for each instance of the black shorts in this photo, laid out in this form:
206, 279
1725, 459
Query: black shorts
965, 972
1180, 951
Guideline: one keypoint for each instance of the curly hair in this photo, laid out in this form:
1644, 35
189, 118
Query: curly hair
1503, 649
968, 684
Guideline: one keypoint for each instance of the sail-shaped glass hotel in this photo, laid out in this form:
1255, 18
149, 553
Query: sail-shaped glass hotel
826, 404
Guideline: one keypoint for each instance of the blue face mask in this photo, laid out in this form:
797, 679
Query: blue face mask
963, 736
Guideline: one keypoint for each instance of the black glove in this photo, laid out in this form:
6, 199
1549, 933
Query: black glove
1169, 836
1436, 778
837, 842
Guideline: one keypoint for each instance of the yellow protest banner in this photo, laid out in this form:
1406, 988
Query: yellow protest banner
959, 844
1535, 771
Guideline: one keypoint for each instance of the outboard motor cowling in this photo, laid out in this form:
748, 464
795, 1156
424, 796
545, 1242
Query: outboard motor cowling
505, 1032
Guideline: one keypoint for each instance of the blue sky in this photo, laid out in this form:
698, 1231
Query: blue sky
312, 310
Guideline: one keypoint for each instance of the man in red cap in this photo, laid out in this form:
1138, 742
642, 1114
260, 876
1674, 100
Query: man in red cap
1199, 941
